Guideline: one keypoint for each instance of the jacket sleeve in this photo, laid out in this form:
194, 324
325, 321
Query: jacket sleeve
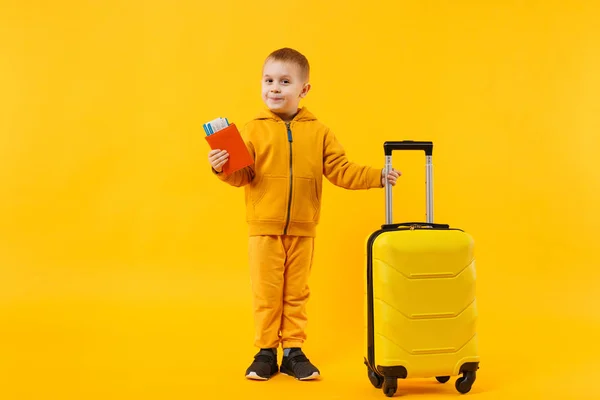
342, 172
243, 176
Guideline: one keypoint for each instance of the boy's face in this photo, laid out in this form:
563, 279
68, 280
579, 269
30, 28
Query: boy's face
282, 88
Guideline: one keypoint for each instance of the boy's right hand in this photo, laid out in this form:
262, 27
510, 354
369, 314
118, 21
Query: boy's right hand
217, 158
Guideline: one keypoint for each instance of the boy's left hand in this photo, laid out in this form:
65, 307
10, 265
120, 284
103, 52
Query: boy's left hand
391, 177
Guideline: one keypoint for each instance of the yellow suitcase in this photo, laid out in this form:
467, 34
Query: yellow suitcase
420, 304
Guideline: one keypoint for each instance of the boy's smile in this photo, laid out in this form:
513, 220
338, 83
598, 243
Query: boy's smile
283, 86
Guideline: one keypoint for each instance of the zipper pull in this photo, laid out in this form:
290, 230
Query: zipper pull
289, 132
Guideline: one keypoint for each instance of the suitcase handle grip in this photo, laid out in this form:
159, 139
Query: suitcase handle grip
389, 147
416, 224
425, 146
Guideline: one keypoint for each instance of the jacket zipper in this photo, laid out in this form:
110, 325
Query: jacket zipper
289, 206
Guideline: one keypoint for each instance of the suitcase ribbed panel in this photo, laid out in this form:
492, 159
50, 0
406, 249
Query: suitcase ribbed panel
425, 310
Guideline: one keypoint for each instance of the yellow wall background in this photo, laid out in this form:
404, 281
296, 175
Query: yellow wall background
123, 261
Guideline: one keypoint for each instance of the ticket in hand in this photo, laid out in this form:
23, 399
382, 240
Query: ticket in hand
222, 135
215, 125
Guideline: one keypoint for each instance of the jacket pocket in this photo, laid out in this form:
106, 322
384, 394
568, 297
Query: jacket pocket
269, 198
305, 202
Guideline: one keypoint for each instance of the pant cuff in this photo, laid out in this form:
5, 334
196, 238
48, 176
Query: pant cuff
266, 345
289, 344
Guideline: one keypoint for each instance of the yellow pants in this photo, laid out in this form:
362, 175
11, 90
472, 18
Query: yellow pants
279, 271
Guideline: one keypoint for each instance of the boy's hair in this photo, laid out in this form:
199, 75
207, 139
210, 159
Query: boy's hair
287, 54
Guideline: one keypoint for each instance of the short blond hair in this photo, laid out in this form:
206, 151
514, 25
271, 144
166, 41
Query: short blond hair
287, 54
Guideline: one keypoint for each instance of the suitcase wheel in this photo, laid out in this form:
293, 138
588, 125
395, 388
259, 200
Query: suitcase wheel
465, 382
390, 385
375, 379
442, 379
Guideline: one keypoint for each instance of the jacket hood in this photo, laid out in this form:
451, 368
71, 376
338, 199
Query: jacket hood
303, 115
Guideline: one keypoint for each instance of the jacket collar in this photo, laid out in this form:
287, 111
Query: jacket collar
303, 115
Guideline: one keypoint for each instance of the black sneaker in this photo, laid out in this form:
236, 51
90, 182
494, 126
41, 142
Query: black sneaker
264, 365
297, 365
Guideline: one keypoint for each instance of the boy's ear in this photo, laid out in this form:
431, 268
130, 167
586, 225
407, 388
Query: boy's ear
305, 90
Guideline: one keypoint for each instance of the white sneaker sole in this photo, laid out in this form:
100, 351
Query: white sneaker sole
314, 376
253, 376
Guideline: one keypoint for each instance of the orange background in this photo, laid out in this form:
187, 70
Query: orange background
123, 269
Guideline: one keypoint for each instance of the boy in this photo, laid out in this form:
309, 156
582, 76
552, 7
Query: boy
292, 151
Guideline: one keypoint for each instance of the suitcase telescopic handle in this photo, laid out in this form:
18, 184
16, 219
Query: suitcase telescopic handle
406, 145
389, 147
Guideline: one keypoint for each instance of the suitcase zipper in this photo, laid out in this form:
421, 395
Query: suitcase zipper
415, 225
370, 318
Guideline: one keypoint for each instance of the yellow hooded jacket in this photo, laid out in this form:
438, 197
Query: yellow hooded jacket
283, 186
